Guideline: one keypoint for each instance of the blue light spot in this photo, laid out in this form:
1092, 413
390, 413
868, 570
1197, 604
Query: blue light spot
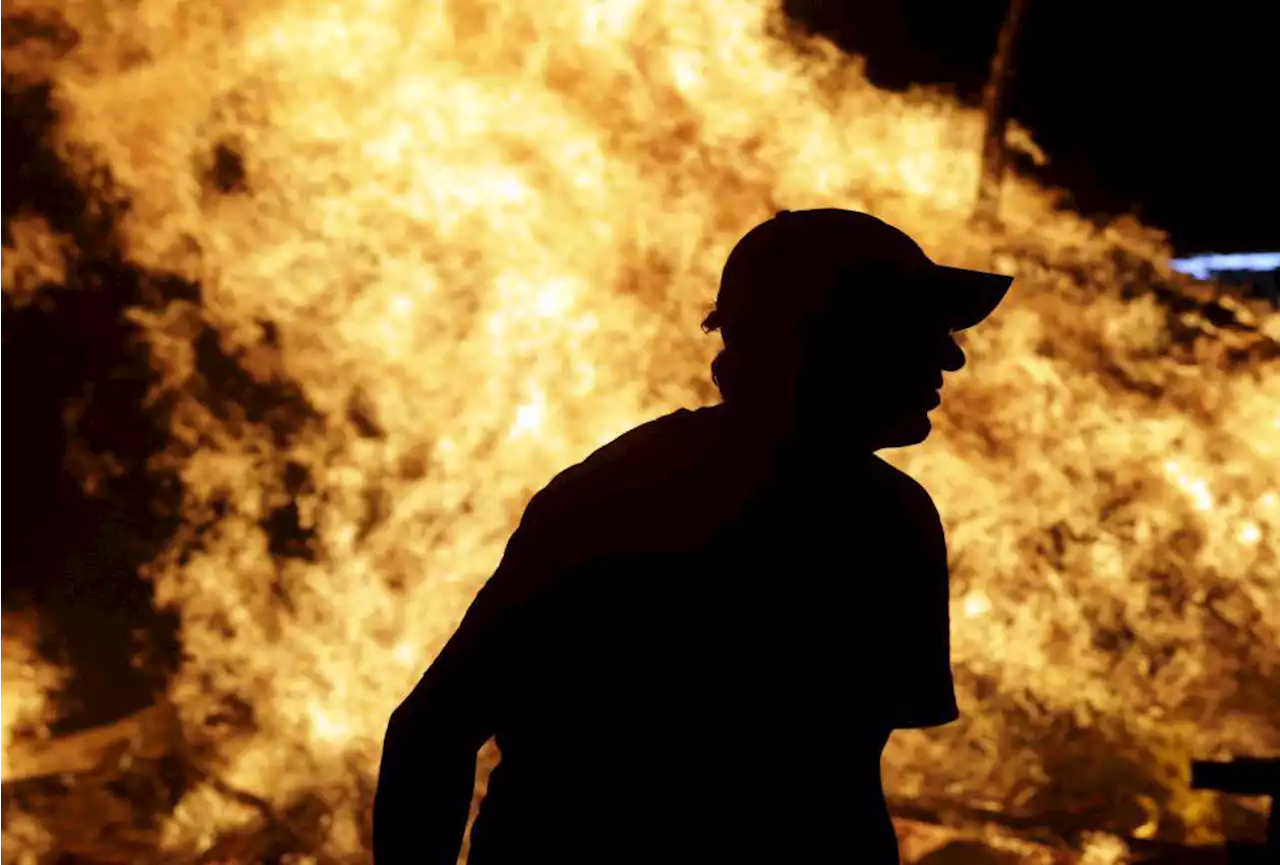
1204, 266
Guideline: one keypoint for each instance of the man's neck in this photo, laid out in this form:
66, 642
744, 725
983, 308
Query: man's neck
771, 434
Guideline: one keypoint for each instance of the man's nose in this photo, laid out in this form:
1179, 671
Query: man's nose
952, 355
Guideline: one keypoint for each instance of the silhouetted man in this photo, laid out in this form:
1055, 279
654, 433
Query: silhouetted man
700, 638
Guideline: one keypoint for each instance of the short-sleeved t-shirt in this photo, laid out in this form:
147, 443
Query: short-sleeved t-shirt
697, 648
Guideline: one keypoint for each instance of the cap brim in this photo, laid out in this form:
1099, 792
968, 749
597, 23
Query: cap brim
970, 295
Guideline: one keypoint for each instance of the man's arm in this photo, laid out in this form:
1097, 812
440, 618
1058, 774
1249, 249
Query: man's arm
427, 775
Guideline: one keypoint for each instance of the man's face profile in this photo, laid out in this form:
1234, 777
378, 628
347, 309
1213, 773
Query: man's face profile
873, 363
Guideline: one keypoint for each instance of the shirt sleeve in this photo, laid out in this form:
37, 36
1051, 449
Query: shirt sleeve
427, 772
465, 679
923, 687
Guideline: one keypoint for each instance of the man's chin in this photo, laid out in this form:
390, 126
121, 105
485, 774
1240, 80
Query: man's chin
911, 430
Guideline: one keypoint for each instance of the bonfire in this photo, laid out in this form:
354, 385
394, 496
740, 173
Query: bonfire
303, 301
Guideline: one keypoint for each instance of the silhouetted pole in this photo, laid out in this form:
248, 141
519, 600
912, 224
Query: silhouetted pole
995, 108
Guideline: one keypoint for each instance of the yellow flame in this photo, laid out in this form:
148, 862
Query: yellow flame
502, 222
976, 604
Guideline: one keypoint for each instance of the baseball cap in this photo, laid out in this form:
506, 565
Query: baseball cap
788, 265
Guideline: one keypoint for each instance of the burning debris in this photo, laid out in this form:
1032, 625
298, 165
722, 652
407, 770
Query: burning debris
301, 306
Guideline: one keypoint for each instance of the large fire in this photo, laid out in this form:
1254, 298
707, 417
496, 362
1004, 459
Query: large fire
474, 240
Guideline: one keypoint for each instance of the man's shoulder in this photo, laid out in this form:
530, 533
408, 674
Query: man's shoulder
639, 458
649, 459
653, 451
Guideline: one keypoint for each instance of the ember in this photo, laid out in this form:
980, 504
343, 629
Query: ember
319, 294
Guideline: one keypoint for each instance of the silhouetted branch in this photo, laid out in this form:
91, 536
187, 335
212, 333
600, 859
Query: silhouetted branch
995, 109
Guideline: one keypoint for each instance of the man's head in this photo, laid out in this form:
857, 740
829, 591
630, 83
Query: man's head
838, 326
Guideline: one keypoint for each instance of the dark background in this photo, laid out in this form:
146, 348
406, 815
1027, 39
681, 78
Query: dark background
1162, 109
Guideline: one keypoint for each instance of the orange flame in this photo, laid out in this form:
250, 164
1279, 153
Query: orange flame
497, 225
